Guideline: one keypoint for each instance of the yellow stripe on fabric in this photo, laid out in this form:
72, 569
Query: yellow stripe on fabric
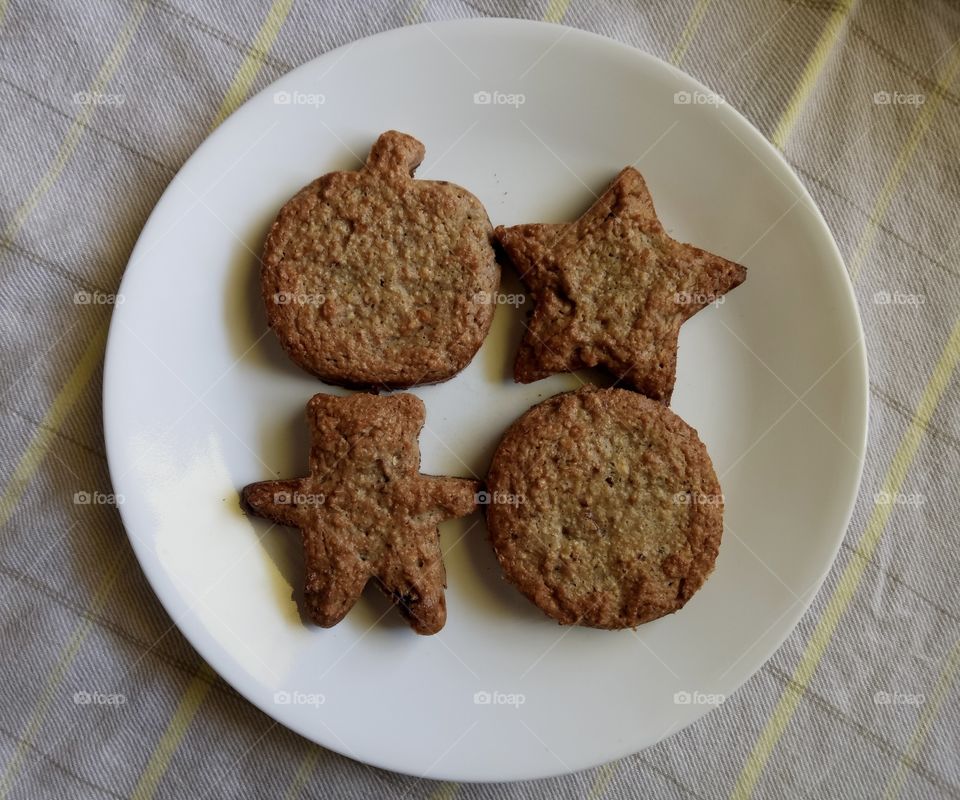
556, 10
602, 780
853, 574
811, 73
247, 74
75, 131
187, 708
51, 423
927, 112
416, 12
62, 667
445, 791
4, 5
689, 31
930, 708
303, 773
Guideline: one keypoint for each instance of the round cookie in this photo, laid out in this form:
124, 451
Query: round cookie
374, 279
604, 508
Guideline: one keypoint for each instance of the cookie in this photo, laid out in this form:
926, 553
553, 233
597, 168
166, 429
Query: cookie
373, 279
612, 290
365, 512
604, 508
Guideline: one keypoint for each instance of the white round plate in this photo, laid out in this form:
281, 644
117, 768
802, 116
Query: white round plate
199, 400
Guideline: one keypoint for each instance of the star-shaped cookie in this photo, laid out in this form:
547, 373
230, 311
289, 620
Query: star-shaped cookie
612, 290
365, 511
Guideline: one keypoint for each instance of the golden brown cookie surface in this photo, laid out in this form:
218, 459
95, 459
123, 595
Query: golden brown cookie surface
604, 508
374, 279
365, 512
612, 290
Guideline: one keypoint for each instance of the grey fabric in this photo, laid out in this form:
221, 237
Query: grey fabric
102, 697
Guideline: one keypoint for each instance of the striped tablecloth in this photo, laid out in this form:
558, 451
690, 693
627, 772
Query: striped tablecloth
102, 102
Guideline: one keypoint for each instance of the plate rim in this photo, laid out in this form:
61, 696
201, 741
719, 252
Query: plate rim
193, 632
